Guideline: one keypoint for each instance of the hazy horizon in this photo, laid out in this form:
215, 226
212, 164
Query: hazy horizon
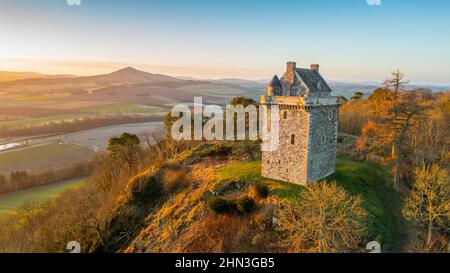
183, 76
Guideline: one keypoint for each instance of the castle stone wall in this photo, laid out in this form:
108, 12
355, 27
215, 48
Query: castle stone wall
289, 162
323, 130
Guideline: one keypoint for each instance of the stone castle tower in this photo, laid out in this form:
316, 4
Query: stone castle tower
308, 126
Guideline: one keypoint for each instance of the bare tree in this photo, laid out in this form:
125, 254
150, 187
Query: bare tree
428, 204
325, 219
399, 118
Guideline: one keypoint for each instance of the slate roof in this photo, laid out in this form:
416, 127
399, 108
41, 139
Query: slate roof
313, 80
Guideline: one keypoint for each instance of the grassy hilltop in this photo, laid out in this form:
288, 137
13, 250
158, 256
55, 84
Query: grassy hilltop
166, 207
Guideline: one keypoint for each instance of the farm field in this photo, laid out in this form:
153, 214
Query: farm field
20, 123
42, 157
68, 112
123, 108
212, 89
98, 138
9, 203
46, 152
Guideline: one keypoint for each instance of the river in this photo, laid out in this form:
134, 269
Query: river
95, 139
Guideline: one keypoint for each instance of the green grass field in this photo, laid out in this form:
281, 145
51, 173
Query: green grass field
9, 203
42, 157
251, 172
357, 178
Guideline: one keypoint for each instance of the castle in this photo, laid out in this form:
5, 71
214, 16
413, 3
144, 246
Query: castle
308, 126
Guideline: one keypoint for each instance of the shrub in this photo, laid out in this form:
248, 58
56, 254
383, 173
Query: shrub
427, 205
219, 205
325, 219
174, 178
222, 234
262, 190
216, 150
245, 205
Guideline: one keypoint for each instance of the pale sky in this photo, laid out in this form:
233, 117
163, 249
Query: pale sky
251, 39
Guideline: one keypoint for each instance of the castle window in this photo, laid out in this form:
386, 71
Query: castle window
330, 115
292, 139
285, 115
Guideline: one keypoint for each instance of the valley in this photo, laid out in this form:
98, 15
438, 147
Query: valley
50, 123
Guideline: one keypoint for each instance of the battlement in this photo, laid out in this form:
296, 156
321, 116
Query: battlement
301, 101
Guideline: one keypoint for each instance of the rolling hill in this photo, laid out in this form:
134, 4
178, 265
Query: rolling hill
132, 86
123, 76
127, 85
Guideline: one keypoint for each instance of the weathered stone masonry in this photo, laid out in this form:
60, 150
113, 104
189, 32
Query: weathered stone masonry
308, 127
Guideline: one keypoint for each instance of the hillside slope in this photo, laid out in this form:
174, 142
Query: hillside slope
165, 208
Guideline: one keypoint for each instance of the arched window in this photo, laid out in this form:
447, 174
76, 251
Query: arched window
331, 115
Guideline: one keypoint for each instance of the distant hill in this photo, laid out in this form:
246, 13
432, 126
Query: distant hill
139, 87
123, 76
340, 88
129, 75
348, 89
127, 85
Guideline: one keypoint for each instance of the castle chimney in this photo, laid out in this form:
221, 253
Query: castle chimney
315, 67
291, 66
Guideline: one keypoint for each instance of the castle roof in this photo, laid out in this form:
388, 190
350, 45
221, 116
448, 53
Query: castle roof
313, 80
275, 82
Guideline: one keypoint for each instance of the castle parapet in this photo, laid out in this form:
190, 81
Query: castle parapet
301, 101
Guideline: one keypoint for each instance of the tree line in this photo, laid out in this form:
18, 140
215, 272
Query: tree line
20, 180
85, 123
407, 131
